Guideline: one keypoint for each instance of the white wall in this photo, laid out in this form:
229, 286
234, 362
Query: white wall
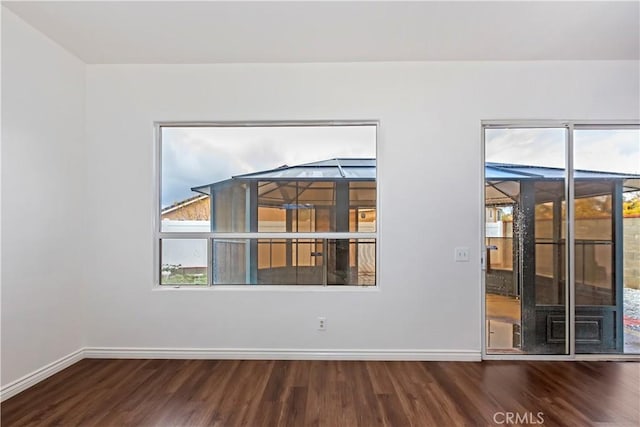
429, 173
43, 194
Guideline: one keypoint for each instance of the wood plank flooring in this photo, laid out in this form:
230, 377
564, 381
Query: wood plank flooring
97, 392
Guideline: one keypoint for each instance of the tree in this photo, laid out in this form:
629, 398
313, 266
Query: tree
631, 207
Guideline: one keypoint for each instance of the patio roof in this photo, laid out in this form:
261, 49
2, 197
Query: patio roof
501, 171
502, 179
502, 182
325, 170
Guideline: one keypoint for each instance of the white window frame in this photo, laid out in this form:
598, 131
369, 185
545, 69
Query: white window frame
158, 235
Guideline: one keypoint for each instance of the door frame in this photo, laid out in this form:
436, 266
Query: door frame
570, 126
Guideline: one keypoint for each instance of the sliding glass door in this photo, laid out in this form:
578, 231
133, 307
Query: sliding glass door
607, 239
525, 274
561, 281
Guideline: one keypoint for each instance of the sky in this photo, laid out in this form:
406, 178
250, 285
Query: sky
596, 150
193, 156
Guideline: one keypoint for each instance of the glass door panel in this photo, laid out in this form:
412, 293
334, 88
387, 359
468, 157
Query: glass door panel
607, 240
525, 273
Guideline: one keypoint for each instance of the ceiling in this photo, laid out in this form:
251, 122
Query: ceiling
241, 32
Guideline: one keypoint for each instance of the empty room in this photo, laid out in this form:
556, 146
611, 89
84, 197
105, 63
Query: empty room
320, 213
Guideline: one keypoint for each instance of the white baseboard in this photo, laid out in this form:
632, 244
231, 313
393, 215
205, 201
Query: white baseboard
280, 354
41, 374
45, 372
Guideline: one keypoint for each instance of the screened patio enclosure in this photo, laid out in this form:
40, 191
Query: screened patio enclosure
526, 256
330, 196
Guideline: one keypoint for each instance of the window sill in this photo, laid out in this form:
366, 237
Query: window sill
266, 288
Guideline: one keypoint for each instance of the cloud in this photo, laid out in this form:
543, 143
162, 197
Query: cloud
535, 147
193, 156
599, 150
608, 150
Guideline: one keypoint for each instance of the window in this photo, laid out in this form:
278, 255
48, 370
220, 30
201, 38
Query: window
267, 204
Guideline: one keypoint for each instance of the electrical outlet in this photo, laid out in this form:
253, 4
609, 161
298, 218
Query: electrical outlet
462, 254
322, 323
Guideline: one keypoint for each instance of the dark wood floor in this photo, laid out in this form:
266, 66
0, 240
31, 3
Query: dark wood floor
300, 393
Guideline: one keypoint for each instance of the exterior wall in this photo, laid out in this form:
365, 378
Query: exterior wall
195, 211
631, 232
